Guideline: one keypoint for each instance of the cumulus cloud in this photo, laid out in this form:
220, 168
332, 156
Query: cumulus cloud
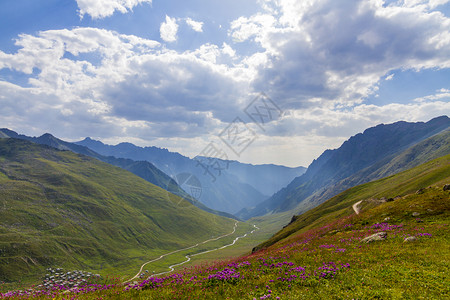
441, 94
245, 28
169, 29
124, 81
195, 25
428, 4
99, 9
228, 50
314, 61
313, 50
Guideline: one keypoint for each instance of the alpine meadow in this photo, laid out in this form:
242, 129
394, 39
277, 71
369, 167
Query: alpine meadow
260, 149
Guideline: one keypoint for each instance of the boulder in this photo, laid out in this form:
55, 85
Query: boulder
379, 236
410, 239
415, 214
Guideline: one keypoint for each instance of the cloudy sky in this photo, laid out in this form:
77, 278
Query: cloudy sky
178, 74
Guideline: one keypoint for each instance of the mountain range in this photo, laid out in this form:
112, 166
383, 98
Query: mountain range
233, 189
143, 169
237, 186
377, 152
66, 204
246, 191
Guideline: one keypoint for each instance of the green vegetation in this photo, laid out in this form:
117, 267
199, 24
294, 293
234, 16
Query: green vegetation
429, 149
434, 172
61, 209
380, 151
321, 255
422, 152
143, 169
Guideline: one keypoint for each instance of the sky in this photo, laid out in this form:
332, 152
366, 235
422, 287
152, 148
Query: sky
259, 81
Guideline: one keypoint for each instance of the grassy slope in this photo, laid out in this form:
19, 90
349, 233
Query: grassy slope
327, 260
327, 175
434, 172
429, 149
143, 169
61, 209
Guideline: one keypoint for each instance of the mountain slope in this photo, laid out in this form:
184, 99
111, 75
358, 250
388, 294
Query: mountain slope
58, 208
236, 186
429, 149
151, 173
142, 169
375, 145
435, 172
267, 178
329, 260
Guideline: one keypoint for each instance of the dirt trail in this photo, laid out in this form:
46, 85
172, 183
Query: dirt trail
356, 208
188, 257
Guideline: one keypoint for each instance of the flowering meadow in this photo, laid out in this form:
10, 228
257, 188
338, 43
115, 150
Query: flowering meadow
329, 262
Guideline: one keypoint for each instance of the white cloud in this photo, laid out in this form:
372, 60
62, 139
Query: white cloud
98, 9
126, 83
439, 95
313, 60
389, 77
169, 29
425, 4
314, 50
195, 25
244, 28
228, 50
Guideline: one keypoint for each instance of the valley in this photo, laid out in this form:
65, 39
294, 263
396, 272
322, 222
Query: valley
224, 150
63, 209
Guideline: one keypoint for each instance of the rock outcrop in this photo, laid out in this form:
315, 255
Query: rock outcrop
379, 236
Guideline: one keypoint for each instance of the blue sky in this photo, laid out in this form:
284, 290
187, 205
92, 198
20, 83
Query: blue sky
175, 74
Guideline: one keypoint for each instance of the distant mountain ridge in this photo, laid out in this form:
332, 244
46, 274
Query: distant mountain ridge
143, 169
266, 178
325, 176
238, 186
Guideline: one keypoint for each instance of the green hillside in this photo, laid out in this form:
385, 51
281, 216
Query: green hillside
62, 209
434, 172
327, 256
358, 160
143, 169
429, 149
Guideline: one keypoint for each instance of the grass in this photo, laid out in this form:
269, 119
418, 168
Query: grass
326, 259
327, 262
436, 171
60, 209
